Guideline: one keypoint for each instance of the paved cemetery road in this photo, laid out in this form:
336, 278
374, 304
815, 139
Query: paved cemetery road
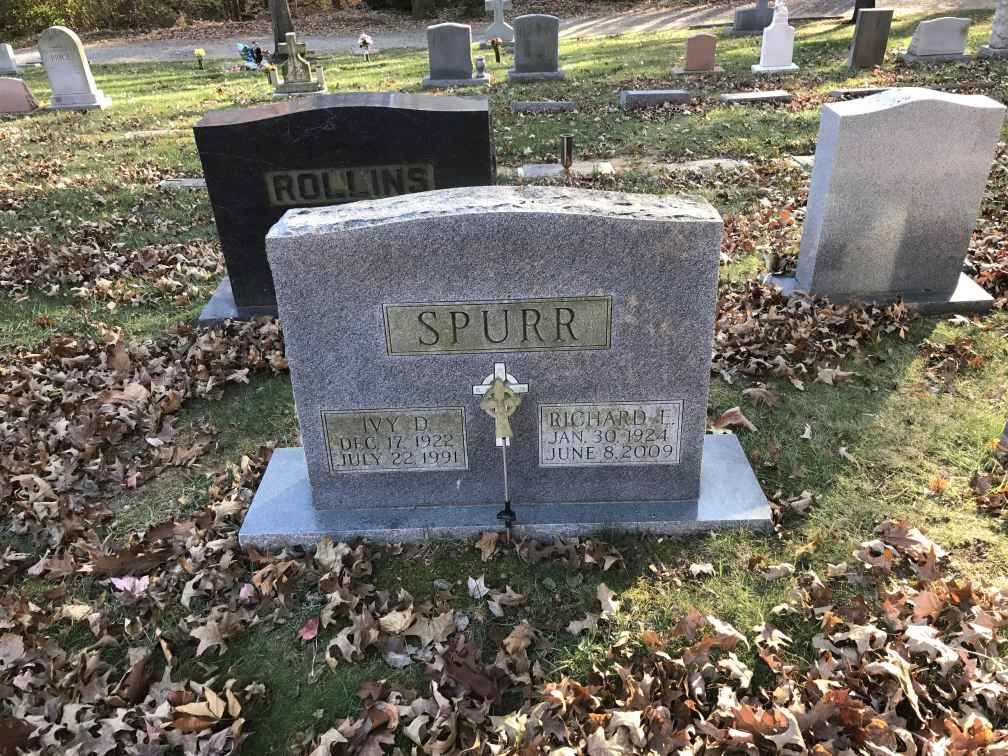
643, 20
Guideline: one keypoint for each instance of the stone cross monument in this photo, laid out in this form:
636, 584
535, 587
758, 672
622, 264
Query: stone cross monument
499, 27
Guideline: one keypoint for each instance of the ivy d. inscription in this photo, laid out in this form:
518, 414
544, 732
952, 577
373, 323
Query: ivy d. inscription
613, 433
526, 325
330, 186
396, 440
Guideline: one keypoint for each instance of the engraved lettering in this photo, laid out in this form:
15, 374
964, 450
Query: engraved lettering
615, 433
428, 326
326, 186
515, 326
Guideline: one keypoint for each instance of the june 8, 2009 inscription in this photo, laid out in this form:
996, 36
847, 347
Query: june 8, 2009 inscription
613, 433
396, 440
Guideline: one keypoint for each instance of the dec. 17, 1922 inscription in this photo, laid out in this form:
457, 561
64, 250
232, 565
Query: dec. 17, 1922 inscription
611, 433
525, 325
396, 440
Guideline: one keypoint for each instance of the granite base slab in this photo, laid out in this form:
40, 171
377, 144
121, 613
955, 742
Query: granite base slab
281, 513
79, 102
222, 306
992, 52
757, 68
697, 72
644, 98
472, 81
543, 106
968, 296
531, 77
911, 59
751, 98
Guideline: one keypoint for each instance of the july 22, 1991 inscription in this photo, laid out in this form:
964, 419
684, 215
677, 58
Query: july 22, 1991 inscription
526, 325
609, 433
396, 440
332, 186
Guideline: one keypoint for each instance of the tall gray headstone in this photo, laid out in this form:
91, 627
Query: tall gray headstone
536, 53
8, 64
871, 36
449, 51
752, 20
997, 46
594, 359
940, 40
896, 191
66, 65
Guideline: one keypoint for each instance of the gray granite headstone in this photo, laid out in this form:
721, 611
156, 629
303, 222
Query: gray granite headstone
871, 36
543, 106
15, 97
536, 53
752, 20
896, 191
8, 64
940, 40
449, 49
597, 308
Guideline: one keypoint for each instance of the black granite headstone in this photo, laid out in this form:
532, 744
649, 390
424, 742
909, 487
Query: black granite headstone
859, 5
260, 162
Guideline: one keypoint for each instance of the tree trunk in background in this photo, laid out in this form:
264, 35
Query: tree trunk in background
282, 24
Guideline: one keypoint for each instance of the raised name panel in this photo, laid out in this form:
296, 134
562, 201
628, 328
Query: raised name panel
526, 325
396, 440
610, 433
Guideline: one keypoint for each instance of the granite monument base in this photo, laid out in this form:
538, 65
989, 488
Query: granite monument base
992, 52
91, 101
645, 98
282, 514
529, 77
910, 59
744, 98
968, 296
790, 68
472, 81
222, 306
680, 71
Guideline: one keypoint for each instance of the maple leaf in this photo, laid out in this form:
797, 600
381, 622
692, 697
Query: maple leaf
924, 639
519, 638
762, 395
397, 622
832, 376
732, 418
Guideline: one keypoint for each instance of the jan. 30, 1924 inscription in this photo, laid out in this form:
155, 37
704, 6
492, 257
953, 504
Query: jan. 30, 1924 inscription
525, 325
616, 433
396, 440
331, 186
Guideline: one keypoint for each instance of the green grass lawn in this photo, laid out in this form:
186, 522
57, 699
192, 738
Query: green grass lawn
869, 448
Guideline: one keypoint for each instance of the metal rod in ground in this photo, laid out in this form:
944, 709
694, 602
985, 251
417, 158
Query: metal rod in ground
567, 151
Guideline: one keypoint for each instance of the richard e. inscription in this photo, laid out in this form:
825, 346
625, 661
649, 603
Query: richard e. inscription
526, 325
396, 440
332, 186
616, 433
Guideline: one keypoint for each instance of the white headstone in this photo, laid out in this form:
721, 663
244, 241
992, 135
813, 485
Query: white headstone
66, 65
15, 97
778, 43
895, 193
937, 40
8, 65
499, 28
